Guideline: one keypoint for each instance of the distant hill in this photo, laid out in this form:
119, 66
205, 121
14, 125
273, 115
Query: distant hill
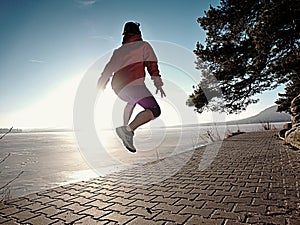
267, 115
11, 130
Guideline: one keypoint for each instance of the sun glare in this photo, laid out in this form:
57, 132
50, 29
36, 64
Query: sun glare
53, 111
103, 113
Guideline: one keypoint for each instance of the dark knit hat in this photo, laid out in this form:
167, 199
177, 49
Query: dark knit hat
131, 28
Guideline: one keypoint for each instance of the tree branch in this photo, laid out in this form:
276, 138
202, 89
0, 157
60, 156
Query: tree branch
6, 133
12, 180
5, 158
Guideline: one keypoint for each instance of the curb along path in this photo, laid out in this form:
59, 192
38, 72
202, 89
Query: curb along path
254, 179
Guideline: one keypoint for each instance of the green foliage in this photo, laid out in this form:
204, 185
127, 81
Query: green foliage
251, 47
291, 90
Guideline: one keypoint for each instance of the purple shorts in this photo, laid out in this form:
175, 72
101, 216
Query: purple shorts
139, 94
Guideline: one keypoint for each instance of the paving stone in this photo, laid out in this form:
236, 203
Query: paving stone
58, 222
21, 202
98, 180
189, 196
229, 199
106, 192
170, 201
142, 221
99, 204
232, 222
141, 191
41, 219
75, 207
10, 222
10, 210
252, 209
59, 203
204, 197
124, 189
226, 193
293, 221
102, 197
68, 216
73, 192
146, 213
172, 217
117, 217
201, 191
223, 206
52, 194
144, 204
262, 219
120, 208
23, 215
50, 211
107, 185
45, 200
166, 207
88, 220
91, 189
162, 193
35, 206
222, 214
78, 186
65, 197
59, 189
197, 220
86, 194
122, 194
122, 201
259, 202
111, 223
144, 197
189, 210
2, 219
3, 205
81, 200
95, 212
33, 196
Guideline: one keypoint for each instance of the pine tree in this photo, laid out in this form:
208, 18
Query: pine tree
251, 47
291, 89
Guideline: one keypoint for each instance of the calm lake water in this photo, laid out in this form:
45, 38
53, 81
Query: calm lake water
48, 159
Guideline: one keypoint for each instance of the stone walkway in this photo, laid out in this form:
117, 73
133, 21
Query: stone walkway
254, 179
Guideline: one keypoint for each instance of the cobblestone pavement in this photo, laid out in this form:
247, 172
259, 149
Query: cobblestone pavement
254, 179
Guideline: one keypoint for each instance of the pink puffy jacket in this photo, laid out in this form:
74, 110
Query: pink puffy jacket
127, 64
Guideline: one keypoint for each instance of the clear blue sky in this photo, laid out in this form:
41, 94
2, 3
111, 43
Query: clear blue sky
46, 43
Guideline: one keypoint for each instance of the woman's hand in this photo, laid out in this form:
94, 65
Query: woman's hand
162, 92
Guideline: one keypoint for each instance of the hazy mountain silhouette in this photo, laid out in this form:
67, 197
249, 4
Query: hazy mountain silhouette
267, 115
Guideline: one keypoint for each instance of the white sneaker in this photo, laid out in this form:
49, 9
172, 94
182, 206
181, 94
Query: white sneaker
127, 138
